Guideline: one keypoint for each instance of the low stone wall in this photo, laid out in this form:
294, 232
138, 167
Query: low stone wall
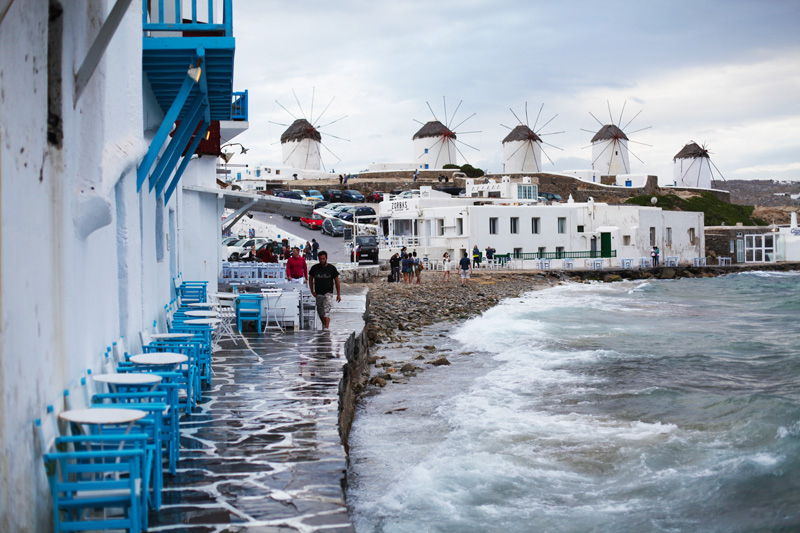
354, 378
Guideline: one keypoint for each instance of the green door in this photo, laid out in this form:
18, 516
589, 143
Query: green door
605, 244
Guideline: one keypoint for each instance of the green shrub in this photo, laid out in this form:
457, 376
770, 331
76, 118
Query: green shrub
471, 171
715, 210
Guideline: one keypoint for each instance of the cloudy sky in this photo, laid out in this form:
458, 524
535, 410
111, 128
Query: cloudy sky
723, 73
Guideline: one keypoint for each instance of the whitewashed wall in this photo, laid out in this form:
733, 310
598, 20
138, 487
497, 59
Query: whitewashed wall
302, 154
610, 158
83, 256
692, 172
438, 155
522, 156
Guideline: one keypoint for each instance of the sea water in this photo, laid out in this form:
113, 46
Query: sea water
634, 406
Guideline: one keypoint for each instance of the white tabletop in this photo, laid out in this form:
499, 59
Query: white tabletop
165, 336
102, 415
202, 321
225, 295
128, 379
160, 358
200, 304
203, 314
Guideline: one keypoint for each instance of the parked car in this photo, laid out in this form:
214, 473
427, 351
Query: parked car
333, 226
318, 205
413, 193
227, 241
332, 210
333, 195
550, 196
366, 248
243, 248
452, 191
315, 194
282, 193
375, 197
361, 211
352, 196
312, 222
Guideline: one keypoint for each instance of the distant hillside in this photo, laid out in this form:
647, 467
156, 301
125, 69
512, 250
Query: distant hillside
716, 211
761, 192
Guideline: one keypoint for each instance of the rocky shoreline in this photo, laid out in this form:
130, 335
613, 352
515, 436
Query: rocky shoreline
404, 320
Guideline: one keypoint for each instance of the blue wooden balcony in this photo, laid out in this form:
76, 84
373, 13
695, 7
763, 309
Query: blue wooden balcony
174, 41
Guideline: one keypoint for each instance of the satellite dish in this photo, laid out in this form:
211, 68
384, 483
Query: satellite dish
654, 200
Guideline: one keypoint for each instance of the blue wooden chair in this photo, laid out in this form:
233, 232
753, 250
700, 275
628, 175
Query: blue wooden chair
248, 308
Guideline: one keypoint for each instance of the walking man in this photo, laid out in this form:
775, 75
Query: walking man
466, 269
322, 278
314, 249
296, 267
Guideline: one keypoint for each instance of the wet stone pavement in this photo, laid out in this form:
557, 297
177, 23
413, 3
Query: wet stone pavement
262, 453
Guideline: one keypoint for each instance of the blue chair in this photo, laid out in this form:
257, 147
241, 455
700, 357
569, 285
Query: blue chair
248, 308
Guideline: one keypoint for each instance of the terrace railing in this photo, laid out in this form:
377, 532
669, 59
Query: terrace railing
239, 106
168, 16
531, 256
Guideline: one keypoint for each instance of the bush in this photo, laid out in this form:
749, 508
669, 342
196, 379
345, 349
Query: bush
451, 166
715, 210
471, 171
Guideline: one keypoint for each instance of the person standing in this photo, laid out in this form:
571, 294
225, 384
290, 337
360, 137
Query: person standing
446, 267
296, 267
466, 269
322, 279
314, 249
657, 252
416, 175
307, 251
417, 265
653, 259
476, 256
394, 262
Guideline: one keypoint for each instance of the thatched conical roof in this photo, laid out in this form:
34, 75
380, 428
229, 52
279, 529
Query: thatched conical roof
434, 128
691, 151
522, 133
299, 130
609, 132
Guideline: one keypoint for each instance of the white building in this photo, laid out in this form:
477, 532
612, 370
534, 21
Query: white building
522, 151
300, 146
88, 169
506, 216
610, 151
691, 167
434, 146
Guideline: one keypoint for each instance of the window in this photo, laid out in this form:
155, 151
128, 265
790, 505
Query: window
514, 227
517, 252
535, 225
580, 229
542, 251
426, 150
626, 240
493, 226
526, 192
426, 165
460, 226
733, 249
652, 236
55, 35
668, 241
440, 226
559, 252
691, 235
562, 224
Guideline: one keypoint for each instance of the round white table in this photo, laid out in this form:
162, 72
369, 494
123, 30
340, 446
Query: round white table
102, 416
202, 322
159, 358
128, 379
171, 336
225, 295
200, 305
202, 314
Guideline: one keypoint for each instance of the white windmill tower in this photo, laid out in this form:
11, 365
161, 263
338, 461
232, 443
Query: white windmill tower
691, 167
522, 147
435, 142
302, 140
300, 146
610, 151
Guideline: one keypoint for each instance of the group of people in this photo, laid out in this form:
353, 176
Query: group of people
476, 255
407, 264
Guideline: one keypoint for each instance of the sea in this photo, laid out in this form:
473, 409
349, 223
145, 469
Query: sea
669, 405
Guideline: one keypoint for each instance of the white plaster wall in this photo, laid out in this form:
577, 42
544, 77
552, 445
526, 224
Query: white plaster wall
78, 263
440, 152
693, 172
522, 156
610, 158
199, 230
303, 155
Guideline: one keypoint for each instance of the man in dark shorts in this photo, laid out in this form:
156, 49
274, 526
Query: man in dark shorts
321, 279
466, 268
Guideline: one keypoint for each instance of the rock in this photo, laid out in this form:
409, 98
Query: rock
372, 360
429, 348
441, 361
380, 382
667, 273
611, 278
420, 357
408, 367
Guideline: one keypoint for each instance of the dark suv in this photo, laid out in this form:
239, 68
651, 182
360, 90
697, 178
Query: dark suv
366, 248
351, 212
333, 195
352, 196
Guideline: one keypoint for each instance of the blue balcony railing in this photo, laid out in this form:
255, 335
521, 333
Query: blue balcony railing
172, 18
239, 106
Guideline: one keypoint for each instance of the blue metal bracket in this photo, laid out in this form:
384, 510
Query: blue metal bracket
187, 136
166, 163
178, 173
163, 131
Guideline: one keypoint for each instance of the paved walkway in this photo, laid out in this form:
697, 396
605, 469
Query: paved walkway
262, 451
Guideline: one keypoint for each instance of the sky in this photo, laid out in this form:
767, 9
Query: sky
725, 74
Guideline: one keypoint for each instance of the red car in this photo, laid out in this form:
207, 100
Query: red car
312, 222
375, 197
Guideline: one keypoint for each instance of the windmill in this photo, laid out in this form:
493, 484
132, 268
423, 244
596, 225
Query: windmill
691, 167
610, 150
436, 143
522, 147
302, 140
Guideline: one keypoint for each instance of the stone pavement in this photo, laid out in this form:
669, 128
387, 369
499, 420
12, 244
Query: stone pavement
262, 452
